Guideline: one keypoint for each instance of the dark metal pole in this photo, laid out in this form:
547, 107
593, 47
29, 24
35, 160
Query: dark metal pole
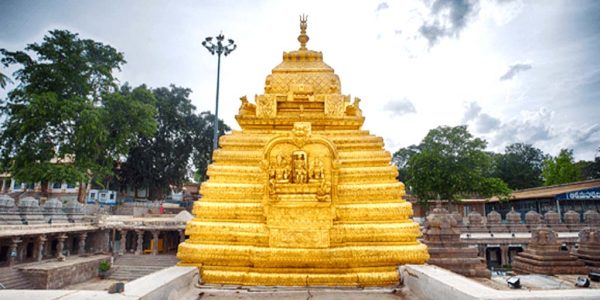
216, 124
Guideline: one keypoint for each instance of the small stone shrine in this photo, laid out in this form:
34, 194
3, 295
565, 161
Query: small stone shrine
589, 248
543, 256
442, 237
53, 212
459, 220
494, 222
591, 217
572, 220
30, 211
513, 218
9, 215
533, 220
73, 211
552, 219
476, 222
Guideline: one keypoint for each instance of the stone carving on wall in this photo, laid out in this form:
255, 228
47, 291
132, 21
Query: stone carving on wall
334, 105
266, 106
298, 165
300, 169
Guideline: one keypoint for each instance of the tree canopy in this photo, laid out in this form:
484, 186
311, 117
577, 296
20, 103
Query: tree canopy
520, 166
561, 169
66, 120
4, 80
163, 161
449, 163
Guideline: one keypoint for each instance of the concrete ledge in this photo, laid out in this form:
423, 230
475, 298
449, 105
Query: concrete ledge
167, 284
431, 282
164, 284
60, 295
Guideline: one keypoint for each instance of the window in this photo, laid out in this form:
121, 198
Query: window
112, 196
70, 185
93, 195
16, 185
56, 185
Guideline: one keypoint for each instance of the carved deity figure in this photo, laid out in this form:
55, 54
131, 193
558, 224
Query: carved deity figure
279, 169
317, 169
300, 172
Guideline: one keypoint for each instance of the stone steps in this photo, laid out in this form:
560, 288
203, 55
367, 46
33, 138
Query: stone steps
131, 267
129, 273
14, 279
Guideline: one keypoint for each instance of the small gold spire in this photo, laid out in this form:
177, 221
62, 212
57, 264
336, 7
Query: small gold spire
303, 38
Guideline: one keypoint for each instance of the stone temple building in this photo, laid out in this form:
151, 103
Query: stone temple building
33, 235
302, 195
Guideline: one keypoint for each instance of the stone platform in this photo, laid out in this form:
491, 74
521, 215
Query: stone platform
57, 274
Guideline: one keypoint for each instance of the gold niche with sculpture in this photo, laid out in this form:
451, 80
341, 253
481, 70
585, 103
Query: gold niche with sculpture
301, 195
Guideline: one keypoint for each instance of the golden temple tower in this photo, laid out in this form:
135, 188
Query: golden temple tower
301, 195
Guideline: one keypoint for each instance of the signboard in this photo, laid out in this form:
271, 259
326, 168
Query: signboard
586, 194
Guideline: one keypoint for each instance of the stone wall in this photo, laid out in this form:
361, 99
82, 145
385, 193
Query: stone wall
55, 276
99, 241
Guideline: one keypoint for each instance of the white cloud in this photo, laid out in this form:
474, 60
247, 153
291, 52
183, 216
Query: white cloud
399, 107
379, 55
515, 69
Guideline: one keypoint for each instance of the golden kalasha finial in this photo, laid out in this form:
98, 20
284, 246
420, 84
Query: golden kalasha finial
303, 38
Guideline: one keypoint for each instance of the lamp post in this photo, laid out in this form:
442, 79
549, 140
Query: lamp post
218, 48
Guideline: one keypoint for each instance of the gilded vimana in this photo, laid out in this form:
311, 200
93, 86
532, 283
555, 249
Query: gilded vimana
301, 195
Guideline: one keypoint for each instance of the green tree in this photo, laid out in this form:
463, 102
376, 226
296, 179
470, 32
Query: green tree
65, 120
450, 164
561, 169
164, 161
203, 144
520, 166
401, 158
590, 169
4, 80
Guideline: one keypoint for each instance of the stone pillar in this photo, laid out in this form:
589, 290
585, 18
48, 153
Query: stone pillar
82, 237
12, 250
504, 254
123, 246
114, 242
60, 246
41, 242
155, 243
181, 236
47, 247
139, 250
21, 250
480, 250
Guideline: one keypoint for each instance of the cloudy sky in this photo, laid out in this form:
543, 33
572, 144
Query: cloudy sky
513, 71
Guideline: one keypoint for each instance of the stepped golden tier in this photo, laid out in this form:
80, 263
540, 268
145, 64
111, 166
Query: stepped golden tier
301, 195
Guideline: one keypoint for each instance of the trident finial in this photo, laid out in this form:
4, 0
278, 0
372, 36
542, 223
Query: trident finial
303, 38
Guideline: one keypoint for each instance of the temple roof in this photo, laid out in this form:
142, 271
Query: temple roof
302, 88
